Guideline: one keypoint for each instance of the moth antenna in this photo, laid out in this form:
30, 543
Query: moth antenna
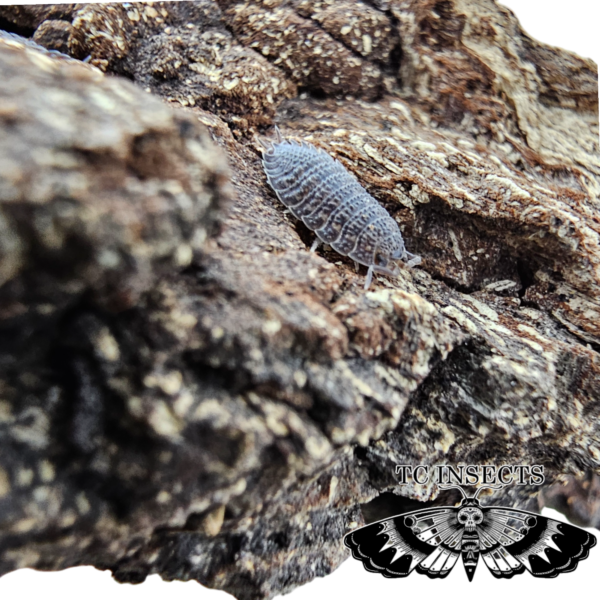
444, 486
491, 487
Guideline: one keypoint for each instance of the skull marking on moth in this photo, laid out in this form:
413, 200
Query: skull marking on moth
470, 517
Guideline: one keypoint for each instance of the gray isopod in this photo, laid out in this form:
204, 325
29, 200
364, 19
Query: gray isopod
319, 190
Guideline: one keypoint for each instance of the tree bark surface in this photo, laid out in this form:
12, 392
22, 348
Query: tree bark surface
185, 389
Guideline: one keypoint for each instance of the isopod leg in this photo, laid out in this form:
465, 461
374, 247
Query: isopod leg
413, 259
369, 277
315, 244
378, 269
356, 266
385, 271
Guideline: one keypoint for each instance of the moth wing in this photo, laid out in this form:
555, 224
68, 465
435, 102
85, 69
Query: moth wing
427, 540
513, 541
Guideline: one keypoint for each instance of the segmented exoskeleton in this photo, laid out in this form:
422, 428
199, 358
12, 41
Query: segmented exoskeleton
319, 190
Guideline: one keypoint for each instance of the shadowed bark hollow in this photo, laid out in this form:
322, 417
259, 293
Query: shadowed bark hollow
184, 388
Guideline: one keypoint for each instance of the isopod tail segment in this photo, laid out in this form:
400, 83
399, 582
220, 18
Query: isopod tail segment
268, 144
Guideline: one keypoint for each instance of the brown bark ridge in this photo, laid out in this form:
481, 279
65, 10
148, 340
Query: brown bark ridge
184, 388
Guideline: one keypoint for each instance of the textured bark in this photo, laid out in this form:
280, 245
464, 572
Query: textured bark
185, 388
27, 19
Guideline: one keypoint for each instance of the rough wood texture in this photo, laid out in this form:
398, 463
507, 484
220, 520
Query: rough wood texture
184, 388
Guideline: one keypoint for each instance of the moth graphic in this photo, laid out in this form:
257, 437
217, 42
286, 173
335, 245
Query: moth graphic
431, 540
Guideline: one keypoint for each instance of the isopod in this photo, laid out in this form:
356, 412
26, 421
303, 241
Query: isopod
330, 201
